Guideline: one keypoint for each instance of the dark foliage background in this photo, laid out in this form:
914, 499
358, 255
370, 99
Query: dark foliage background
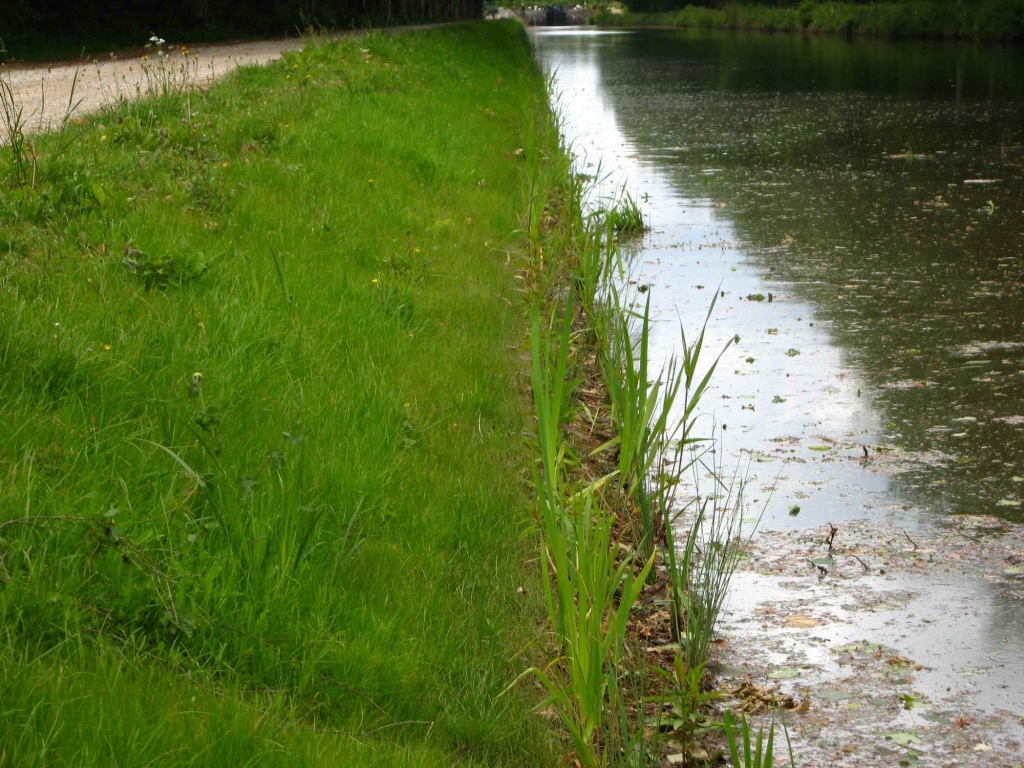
132, 21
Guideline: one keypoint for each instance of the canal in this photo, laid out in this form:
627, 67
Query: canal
858, 206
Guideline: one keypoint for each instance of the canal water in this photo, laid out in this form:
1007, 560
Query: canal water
858, 207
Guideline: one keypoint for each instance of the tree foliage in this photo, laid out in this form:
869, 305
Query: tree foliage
132, 20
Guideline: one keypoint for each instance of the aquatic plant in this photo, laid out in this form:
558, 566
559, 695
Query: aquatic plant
749, 751
625, 217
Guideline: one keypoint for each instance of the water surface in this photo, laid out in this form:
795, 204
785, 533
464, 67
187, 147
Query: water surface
858, 206
875, 192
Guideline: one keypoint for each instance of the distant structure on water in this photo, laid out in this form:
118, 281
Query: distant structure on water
554, 15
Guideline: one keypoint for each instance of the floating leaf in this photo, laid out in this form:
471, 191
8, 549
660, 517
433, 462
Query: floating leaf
822, 560
910, 701
800, 621
821, 448
792, 352
1013, 570
784, 673
1007, 503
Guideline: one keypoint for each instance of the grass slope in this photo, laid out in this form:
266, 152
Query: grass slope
986, 20
311, 554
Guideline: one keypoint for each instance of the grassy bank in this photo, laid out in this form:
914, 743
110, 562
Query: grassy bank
261, 406
995, 20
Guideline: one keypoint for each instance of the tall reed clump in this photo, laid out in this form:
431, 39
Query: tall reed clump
589, 583
593, 580
589, 588
750, 750
28, 167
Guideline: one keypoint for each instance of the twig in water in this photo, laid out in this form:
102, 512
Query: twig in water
822, 570
910, 539
833, 530
861, 562
960, 530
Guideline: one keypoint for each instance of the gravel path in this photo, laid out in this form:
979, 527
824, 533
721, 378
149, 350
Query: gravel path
44, 91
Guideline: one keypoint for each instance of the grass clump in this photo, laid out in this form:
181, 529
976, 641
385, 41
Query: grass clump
625, 217
260, 456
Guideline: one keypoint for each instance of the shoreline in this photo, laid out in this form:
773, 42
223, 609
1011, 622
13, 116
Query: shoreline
894, 21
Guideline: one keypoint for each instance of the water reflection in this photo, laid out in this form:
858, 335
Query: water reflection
876, 193
861, 208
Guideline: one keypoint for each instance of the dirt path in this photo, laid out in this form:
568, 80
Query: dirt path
45, 91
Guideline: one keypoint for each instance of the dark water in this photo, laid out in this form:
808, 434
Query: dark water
876, 191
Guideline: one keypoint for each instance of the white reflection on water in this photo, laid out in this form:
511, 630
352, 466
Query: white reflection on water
781, 405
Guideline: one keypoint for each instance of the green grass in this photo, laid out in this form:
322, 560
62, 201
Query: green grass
311, 553
987, 20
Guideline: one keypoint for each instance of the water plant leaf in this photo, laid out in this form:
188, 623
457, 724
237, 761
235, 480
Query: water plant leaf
1008, 503
784, 673
822, 560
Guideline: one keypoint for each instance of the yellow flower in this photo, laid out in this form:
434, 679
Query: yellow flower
103, 137
370, 182
106, 347
407, 405
415, 250
225, 165
374, 281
